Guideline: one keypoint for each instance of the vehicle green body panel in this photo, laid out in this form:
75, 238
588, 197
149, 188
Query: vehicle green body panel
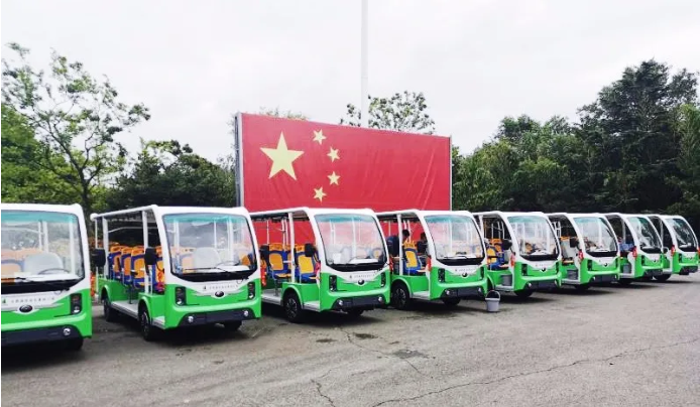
309, 292
642, 265
418, 283
50, 317
520, 281
163, 305
590, 268
680, 261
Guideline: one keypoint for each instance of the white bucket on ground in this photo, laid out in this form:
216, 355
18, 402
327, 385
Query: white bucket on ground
493, 299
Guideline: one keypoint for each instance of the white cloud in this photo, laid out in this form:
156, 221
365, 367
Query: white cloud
194, 64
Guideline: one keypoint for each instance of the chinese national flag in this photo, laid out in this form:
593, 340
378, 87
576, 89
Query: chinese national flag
290, 163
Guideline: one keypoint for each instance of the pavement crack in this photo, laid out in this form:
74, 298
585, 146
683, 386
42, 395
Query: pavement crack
553, 368
387, 354
320, 392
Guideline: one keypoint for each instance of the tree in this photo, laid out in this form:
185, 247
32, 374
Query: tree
401, 112
23, 181
73, 116
286, 115
168, 173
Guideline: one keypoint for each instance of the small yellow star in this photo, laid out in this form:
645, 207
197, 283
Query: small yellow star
333, 154
282, 157
319, 194
318, 136
333, 178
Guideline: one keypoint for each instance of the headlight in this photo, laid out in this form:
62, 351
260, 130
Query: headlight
333, 283
180, 296
251, 290
76, 303
441, 275
383, 279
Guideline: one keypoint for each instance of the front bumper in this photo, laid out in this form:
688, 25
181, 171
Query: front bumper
653, 272
213, 317
463, 293
38, 335
688, 269
603, 278
365, 302
541, 285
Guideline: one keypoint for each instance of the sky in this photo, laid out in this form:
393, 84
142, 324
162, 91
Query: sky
194, 64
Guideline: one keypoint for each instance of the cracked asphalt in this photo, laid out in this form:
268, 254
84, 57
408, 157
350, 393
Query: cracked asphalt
636, 345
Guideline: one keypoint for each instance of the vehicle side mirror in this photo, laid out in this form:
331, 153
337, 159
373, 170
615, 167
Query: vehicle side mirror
99, 257
309, 250
573, 242
150, 256
507, 244
487, 243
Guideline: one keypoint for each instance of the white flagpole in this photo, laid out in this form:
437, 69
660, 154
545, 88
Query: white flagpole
364, 101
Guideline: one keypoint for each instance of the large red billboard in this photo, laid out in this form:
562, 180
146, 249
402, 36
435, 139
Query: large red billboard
285, 163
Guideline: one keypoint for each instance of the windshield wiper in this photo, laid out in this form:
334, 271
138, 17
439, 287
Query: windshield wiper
243, 275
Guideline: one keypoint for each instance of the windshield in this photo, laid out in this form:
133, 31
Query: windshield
684, 235
351, 242
534, 237
208, 247
648, 238
456, 238
598, 238
41, 247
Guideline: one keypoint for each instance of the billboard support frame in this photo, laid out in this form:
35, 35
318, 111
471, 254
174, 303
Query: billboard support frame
238, 139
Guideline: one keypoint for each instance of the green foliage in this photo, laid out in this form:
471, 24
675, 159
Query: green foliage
636, 149
401, 112
287, 115
167, 173
73, 116
23, 180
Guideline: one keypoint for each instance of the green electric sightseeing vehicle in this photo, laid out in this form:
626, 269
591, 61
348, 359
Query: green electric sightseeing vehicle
590, 253
45, 275
179, 267
523, 252
447, 263
680, 245
322, 260
640, 246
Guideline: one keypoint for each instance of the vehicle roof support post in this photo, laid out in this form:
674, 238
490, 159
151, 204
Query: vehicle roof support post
229, 236
399, 237
146, 273
105, 243
354, 238
292, 247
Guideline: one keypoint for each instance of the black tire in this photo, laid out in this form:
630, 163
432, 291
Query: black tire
451, 302
624, 281
400, 298
292, 307
662, 277
148, 331
523, 293
109, 313
582, 287
355, 313
232, 326
74, 345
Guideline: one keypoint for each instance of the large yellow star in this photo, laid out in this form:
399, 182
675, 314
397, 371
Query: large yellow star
319, 194
333, 154
333, 178
318, 136
282, 157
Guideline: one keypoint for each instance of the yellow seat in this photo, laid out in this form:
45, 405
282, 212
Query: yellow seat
187, 264
306, 264
412, 259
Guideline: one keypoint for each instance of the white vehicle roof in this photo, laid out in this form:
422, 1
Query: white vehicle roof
577, 215
303, 212
170, 210
504, 215
74, 209
383, 215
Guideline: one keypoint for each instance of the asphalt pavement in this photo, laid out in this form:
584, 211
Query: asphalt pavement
610, 346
